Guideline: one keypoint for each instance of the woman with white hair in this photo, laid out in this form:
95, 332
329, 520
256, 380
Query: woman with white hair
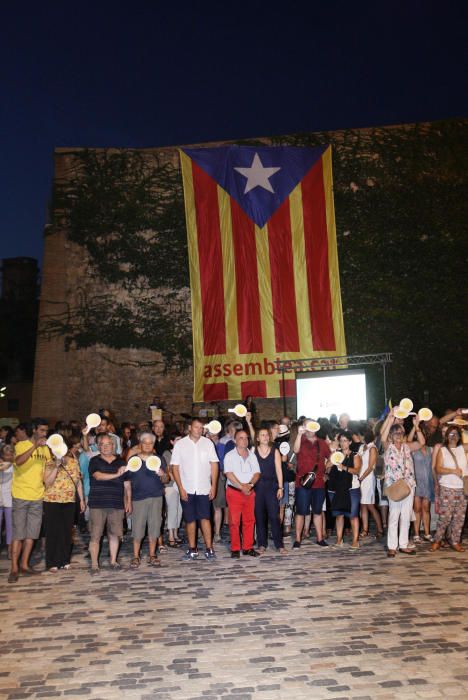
147, 488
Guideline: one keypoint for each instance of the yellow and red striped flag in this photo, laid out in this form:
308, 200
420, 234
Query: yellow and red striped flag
263, 266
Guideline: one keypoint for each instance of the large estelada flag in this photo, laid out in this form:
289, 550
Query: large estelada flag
263, 266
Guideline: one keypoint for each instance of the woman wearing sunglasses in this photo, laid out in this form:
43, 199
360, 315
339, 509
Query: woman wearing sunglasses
451, 467
399, 468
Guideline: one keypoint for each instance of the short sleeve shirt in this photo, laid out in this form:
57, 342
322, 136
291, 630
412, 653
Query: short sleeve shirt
28, 478
146, 483
108, 493
312, 454
243, 469
63, 488
194, 461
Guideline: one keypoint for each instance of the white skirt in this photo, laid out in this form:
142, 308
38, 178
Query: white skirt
368, 490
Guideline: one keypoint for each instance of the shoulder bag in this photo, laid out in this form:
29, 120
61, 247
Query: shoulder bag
397, 491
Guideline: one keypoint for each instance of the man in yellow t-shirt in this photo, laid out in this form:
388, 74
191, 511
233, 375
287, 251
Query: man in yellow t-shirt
27, 492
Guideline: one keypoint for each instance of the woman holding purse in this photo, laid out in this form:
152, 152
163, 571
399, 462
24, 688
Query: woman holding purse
312, 454
400, 484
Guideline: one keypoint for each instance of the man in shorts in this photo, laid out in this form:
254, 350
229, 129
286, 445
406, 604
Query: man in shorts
195, 469
27, 490
109, 500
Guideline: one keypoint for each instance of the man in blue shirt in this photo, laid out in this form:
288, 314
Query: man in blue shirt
147, 488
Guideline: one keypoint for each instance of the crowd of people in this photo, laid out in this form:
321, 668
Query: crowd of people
281, 478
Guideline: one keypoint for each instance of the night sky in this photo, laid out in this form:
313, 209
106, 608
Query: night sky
155, 73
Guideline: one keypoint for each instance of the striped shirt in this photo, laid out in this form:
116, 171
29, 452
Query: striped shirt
108, 493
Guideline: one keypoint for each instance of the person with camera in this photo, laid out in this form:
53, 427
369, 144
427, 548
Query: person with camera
312, 454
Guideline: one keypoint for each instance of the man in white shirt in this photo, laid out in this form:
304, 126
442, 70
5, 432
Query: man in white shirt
195, 467
242, 472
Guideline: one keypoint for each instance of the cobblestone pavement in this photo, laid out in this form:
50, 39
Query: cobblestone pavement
317, 623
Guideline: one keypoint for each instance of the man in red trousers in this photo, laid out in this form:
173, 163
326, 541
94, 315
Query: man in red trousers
242, 473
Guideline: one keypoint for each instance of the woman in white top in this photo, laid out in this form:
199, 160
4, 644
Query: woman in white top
451, 467
368, 453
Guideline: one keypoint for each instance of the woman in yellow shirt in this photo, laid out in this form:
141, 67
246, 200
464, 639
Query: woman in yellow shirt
62, 480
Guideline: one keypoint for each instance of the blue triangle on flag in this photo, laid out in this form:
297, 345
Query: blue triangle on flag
259, 178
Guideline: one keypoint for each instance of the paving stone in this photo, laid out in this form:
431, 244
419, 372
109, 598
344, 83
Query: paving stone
185, 632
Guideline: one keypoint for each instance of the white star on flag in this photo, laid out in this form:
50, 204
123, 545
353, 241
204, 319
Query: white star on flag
257, 175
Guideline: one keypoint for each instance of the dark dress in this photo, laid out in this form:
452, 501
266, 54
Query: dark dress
266, 501
345, 500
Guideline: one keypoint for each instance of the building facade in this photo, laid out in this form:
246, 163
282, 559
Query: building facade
115, 323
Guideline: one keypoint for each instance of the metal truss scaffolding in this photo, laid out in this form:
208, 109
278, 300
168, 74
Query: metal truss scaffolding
330, 364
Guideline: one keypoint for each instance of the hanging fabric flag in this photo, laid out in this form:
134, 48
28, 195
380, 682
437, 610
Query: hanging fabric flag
263, 266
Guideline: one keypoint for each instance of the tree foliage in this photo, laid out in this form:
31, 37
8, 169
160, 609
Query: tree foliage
400, 199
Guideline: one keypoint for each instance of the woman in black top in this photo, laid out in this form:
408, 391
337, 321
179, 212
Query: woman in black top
268, 492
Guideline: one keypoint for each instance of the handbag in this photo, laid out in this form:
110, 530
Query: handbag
308, 479
397, 491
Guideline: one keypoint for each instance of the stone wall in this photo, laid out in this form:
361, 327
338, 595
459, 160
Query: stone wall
115, 324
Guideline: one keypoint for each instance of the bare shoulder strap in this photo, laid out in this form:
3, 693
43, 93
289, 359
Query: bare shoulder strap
454, 457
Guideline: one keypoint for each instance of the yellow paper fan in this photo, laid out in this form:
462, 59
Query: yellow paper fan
134, 464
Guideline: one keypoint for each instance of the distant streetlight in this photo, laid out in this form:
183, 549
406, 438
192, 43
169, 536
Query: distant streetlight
2, 392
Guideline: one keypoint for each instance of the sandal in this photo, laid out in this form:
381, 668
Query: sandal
135, 563
364, 533
163, 549
173, 544
154, 561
